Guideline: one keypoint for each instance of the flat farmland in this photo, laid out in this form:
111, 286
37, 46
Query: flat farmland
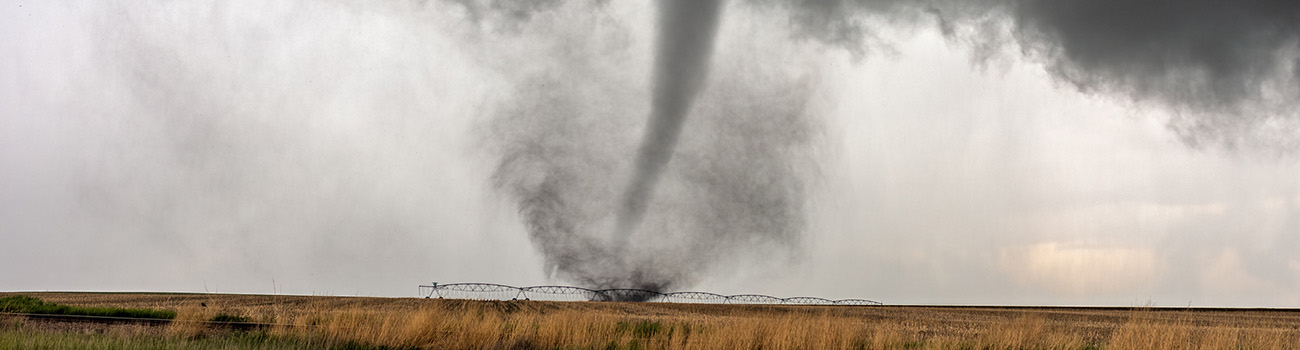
361, 322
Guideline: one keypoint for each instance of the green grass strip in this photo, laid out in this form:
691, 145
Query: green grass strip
30, 305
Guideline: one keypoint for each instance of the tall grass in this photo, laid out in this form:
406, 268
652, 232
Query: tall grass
1146, 332
438, 327
453, 324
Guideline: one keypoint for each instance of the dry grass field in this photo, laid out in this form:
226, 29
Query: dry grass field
324, 322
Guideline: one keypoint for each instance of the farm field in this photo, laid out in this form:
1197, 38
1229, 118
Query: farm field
399, 323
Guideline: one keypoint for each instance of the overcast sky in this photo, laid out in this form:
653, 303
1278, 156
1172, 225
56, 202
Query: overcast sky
346, 148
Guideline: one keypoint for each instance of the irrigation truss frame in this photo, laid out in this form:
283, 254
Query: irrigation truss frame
493, 291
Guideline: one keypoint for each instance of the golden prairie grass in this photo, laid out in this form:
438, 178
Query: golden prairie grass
435, 326
190, 322
490, 328
458, 324
1146, 331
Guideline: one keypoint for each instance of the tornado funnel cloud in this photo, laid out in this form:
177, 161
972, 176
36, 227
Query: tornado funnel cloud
617, 193
685, 42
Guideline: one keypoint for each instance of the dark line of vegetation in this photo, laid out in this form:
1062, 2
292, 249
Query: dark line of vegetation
30, 305
25, 338
227, 318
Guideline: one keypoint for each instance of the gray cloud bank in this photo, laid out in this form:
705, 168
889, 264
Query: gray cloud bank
324, 140
1230, 68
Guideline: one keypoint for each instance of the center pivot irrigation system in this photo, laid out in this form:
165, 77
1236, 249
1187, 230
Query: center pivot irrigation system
492, 291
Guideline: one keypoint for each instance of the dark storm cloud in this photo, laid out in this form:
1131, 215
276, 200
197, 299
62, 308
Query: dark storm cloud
1230, 70
1227, 69
1199, 53
1230, 64
1204, 53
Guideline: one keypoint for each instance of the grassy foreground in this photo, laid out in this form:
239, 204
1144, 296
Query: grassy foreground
400, 323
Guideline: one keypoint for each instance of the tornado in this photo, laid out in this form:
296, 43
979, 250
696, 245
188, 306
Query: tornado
684, 45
